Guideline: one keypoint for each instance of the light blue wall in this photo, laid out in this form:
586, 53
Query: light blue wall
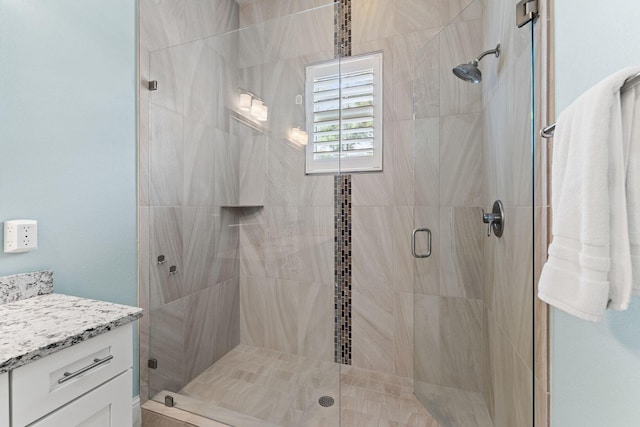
68, 141
595, 374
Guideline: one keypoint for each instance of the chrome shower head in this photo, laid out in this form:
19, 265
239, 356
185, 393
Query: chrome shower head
470, 72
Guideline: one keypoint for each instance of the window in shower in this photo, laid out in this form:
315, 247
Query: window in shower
344, 115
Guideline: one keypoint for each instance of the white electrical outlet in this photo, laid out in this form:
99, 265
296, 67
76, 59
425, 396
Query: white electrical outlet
20, 235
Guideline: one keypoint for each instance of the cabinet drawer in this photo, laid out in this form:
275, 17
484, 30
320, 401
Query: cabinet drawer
106, 406
42, 386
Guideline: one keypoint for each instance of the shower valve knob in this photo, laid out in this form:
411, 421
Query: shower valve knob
488, 218
494, 219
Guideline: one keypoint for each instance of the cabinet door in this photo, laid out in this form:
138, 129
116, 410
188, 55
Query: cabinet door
110, 405
4, 400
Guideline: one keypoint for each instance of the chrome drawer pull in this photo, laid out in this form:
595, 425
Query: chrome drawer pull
96, 362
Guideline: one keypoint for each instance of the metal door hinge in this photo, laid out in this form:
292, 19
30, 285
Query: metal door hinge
153, 85
152, 363
526, 11
168, 401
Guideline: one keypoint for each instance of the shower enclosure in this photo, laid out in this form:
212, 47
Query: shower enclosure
282, 297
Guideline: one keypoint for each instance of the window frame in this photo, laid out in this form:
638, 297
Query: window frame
340, 67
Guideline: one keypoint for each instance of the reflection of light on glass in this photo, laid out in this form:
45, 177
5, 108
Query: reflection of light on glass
245, 102
263, 113
256, 106
252, 107
304, 137
298, 136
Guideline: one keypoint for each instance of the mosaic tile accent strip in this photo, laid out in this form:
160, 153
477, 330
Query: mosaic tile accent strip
342, 243
26, 285
342, 207
342, 26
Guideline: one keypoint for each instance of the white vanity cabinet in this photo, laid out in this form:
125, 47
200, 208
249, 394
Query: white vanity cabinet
87, 384
4, 400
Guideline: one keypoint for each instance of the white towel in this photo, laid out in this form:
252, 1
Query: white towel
589, 265
631, 127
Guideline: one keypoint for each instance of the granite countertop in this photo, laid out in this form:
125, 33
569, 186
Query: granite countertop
37, 326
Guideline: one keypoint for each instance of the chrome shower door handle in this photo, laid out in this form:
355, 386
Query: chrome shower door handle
413, 242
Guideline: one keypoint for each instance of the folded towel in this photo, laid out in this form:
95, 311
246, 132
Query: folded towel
589, 264
630, 99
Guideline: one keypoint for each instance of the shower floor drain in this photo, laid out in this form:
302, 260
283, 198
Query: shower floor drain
326, 401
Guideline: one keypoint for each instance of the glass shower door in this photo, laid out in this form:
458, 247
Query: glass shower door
473, 296
241, 246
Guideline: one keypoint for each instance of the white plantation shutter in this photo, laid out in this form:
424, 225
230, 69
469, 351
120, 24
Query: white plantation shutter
344, 115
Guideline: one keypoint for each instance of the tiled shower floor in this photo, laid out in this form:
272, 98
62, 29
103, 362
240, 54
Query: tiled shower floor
253, 386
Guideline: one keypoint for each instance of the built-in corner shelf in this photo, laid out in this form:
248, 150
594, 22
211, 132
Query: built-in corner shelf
242, 206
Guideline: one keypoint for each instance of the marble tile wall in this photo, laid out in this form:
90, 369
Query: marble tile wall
287, 185
432, 167
189, 157
255, 12
287, 247
202, 322
165, 23
454, 367
202, 243
486, 282
383, 202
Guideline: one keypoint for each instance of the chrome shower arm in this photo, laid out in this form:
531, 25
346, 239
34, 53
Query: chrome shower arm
489, 52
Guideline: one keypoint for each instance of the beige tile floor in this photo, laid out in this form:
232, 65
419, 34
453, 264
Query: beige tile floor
253, 386
370, 398
454, 407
